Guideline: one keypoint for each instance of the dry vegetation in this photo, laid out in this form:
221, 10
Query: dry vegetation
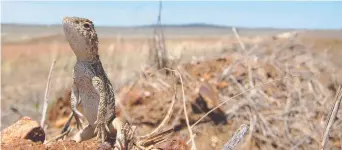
282, 88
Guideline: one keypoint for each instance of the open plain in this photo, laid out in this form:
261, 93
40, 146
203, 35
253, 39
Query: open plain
284, 114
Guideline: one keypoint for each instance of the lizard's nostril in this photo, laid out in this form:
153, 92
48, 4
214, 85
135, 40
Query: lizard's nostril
65, 19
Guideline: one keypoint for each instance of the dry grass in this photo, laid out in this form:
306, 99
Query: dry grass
290, 113
25, 67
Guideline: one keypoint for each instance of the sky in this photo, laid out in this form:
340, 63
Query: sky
276, 14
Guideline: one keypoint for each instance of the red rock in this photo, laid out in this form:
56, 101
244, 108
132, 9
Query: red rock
25, 128
209, 94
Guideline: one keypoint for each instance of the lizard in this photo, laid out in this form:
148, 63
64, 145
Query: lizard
93, 89
91, 86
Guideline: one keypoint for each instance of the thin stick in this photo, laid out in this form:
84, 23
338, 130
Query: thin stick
184, 105
205, 115
242, 45
59, 136
338, 99
165, 120
237, 137
226, 72
159, 51
193, 147
46, 94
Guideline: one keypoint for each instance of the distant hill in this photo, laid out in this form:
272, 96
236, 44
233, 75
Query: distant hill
190, 25
173, 26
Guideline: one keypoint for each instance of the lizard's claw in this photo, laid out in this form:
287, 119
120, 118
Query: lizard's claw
78, 123
101, 130
78, 120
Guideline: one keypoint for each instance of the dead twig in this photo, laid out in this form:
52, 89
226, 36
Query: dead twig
338, 99
46, 94
159, 52
184, 104
165, 120
237, 137
59, 136
227, 71
193, 147
242, 45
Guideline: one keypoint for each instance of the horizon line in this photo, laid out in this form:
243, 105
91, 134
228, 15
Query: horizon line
181, 25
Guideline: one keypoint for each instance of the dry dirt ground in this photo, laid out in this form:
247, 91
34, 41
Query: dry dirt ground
282, 115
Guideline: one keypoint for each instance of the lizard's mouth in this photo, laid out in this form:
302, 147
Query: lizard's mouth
66, 26
69, 20
66, 23
65, 20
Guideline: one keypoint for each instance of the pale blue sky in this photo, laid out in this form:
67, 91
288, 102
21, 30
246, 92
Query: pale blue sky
285, 14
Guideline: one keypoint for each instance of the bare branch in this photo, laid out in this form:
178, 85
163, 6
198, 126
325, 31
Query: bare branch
159, 52
338, 99
46, 94
165, 120
193, 147
237, 137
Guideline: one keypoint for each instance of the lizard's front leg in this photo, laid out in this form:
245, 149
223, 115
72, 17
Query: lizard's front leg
75, 100
101, 123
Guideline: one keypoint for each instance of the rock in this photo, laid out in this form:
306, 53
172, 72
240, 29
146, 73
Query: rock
209, 94
208, 98
25, 128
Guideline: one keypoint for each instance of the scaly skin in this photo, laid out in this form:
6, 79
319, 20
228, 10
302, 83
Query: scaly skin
91, 86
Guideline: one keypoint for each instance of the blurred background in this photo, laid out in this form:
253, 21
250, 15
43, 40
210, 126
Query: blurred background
32, 38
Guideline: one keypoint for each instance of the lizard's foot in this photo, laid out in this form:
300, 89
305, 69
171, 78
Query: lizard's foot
101, 130
61, 136
84, 134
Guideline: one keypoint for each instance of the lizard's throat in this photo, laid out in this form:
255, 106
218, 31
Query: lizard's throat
91, 58
90, 54
90, 62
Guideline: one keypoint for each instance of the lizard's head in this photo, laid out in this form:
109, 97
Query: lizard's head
82, 37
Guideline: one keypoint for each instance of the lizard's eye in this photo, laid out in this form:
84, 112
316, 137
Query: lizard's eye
86, 25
